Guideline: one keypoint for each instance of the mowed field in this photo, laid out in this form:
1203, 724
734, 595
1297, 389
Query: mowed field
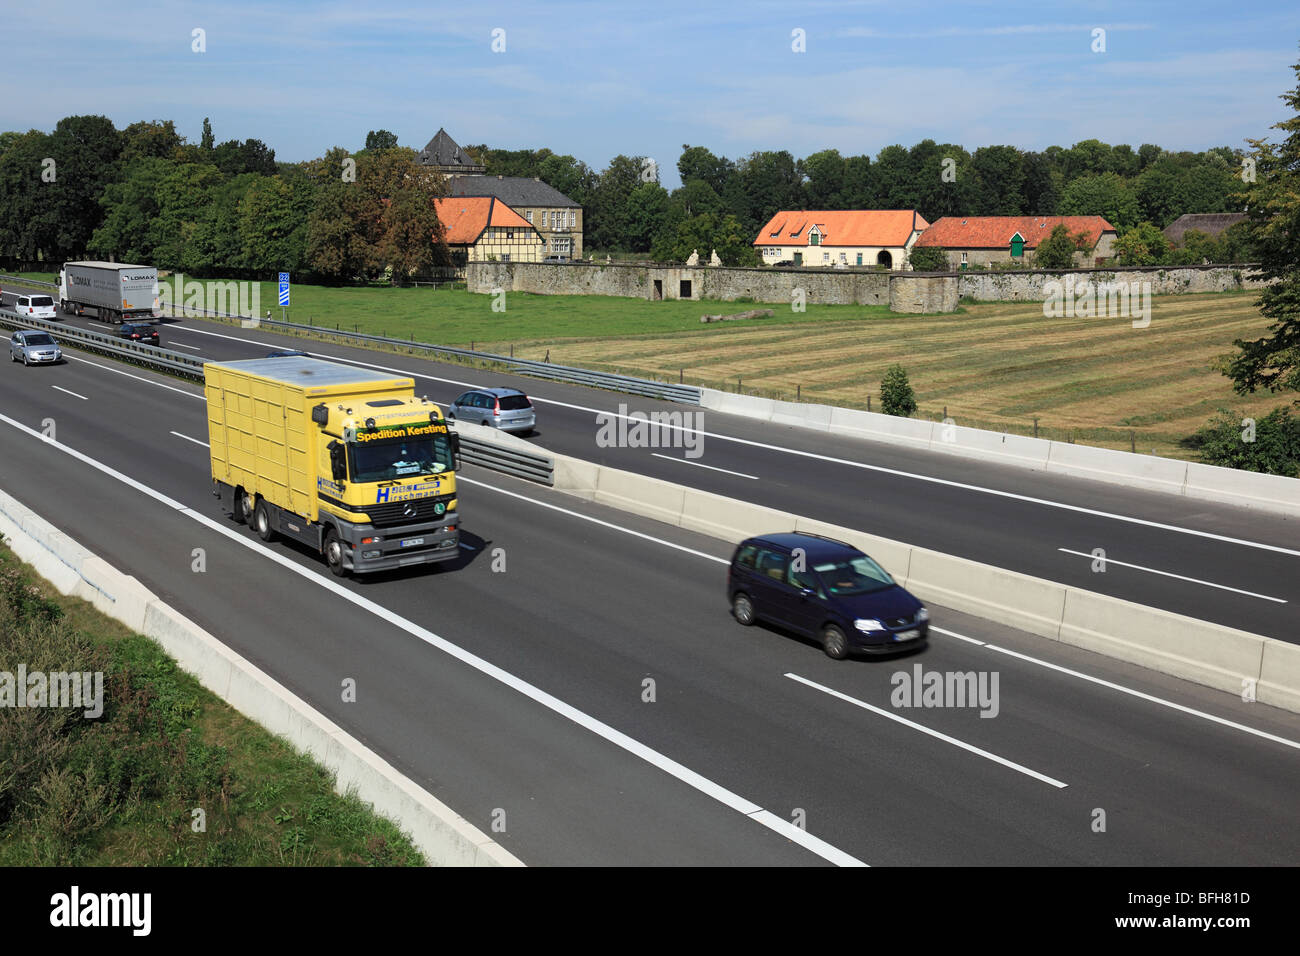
991, 365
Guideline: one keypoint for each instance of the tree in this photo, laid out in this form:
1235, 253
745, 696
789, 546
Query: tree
1104, 194
207, 142
704, 234
27, 225
157, 139
1058, 249
1143, 245
928, 259
764, 183
570, 176
606, 223
896, 396
698, 163
1273, 360
647, 208
824, 186
999, 180
251, 156
1042, 185
1270, 445
86, 149
380, 139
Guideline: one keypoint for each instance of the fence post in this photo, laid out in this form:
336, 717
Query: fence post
868, 403
1035, 427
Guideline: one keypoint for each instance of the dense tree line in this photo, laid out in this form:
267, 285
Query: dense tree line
143, 193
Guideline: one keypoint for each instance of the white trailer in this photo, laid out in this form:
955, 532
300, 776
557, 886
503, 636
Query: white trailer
114, 290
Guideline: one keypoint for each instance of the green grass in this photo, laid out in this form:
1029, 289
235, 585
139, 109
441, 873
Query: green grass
120, 790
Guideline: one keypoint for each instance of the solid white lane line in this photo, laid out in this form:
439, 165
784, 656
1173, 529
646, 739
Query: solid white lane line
880, 711
73, 394
195, 440
1125, 690
138, 378
1170, 574
102, 325
197, 348
1029, 499
687, 461
554, 704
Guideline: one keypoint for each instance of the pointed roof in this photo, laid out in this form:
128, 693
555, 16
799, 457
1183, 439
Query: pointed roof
842, 227
465, 217
444, 152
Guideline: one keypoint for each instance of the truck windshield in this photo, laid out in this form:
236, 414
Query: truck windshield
400, 458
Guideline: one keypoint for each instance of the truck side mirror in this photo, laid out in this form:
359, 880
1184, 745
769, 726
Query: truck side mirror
338, 461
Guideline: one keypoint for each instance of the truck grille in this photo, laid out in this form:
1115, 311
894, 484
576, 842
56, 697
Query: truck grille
383, 516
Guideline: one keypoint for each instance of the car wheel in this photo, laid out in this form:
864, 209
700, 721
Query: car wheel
262, 522
451, 416
25, 362
834, 643
334, 553
742, 609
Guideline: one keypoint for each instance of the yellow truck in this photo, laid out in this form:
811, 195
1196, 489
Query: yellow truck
348, 461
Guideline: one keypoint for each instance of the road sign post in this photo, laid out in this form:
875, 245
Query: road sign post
284, 295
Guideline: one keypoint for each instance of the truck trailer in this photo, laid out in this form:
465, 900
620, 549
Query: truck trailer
116, 292
345, 460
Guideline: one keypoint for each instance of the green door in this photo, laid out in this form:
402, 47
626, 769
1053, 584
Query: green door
798, 258
1017, 246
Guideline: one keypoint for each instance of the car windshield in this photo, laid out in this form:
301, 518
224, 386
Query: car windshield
401, 458
858, 575
39, 339
42, 300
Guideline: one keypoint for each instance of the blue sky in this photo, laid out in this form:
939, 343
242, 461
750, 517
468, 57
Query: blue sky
595, 79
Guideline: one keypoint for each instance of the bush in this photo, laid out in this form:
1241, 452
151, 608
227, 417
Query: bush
1274, 450
928, 259
896, 396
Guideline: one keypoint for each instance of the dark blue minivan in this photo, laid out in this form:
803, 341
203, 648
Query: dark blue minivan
827, 590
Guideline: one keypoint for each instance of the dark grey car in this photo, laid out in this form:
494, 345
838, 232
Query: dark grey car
505, 408
32, 347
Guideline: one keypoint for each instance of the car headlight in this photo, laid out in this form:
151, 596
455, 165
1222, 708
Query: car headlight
868, 624
923, 614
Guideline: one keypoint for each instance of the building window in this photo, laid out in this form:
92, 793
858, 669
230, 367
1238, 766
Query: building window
529, 217
573, 218
963, 257
505, 257
826, 257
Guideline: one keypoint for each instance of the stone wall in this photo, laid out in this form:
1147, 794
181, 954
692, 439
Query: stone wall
901, 291
1165, 280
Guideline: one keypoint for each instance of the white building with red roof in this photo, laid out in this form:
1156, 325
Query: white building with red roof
971, 241
840, 237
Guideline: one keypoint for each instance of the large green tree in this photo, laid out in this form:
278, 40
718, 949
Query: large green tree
1102, 194
1273, 360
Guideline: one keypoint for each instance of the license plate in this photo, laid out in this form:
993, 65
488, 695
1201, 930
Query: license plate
907, 635
410, 542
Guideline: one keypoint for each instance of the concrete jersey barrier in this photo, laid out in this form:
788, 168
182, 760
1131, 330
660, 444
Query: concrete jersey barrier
1189, 479
444, 837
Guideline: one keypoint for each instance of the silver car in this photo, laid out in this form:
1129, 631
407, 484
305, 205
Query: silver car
505, 408
34, 348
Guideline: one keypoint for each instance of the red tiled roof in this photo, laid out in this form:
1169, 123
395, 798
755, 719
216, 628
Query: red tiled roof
995, 232
465, 217
842, 227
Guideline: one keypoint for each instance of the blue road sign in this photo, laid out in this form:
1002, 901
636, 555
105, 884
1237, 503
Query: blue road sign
284, 288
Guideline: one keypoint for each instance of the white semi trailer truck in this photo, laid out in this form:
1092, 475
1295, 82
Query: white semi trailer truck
115, 291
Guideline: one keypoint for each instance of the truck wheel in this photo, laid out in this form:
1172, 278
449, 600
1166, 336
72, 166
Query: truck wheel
334, 553
262, 522
243, 507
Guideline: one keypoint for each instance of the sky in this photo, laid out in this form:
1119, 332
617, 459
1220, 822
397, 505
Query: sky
595, 79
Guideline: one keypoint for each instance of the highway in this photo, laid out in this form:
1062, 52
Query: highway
1234, 566
521, 695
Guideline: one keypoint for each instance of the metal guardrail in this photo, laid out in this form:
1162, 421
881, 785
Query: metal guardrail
684, 394
522, 464
534, 466
21, 281
148, 356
